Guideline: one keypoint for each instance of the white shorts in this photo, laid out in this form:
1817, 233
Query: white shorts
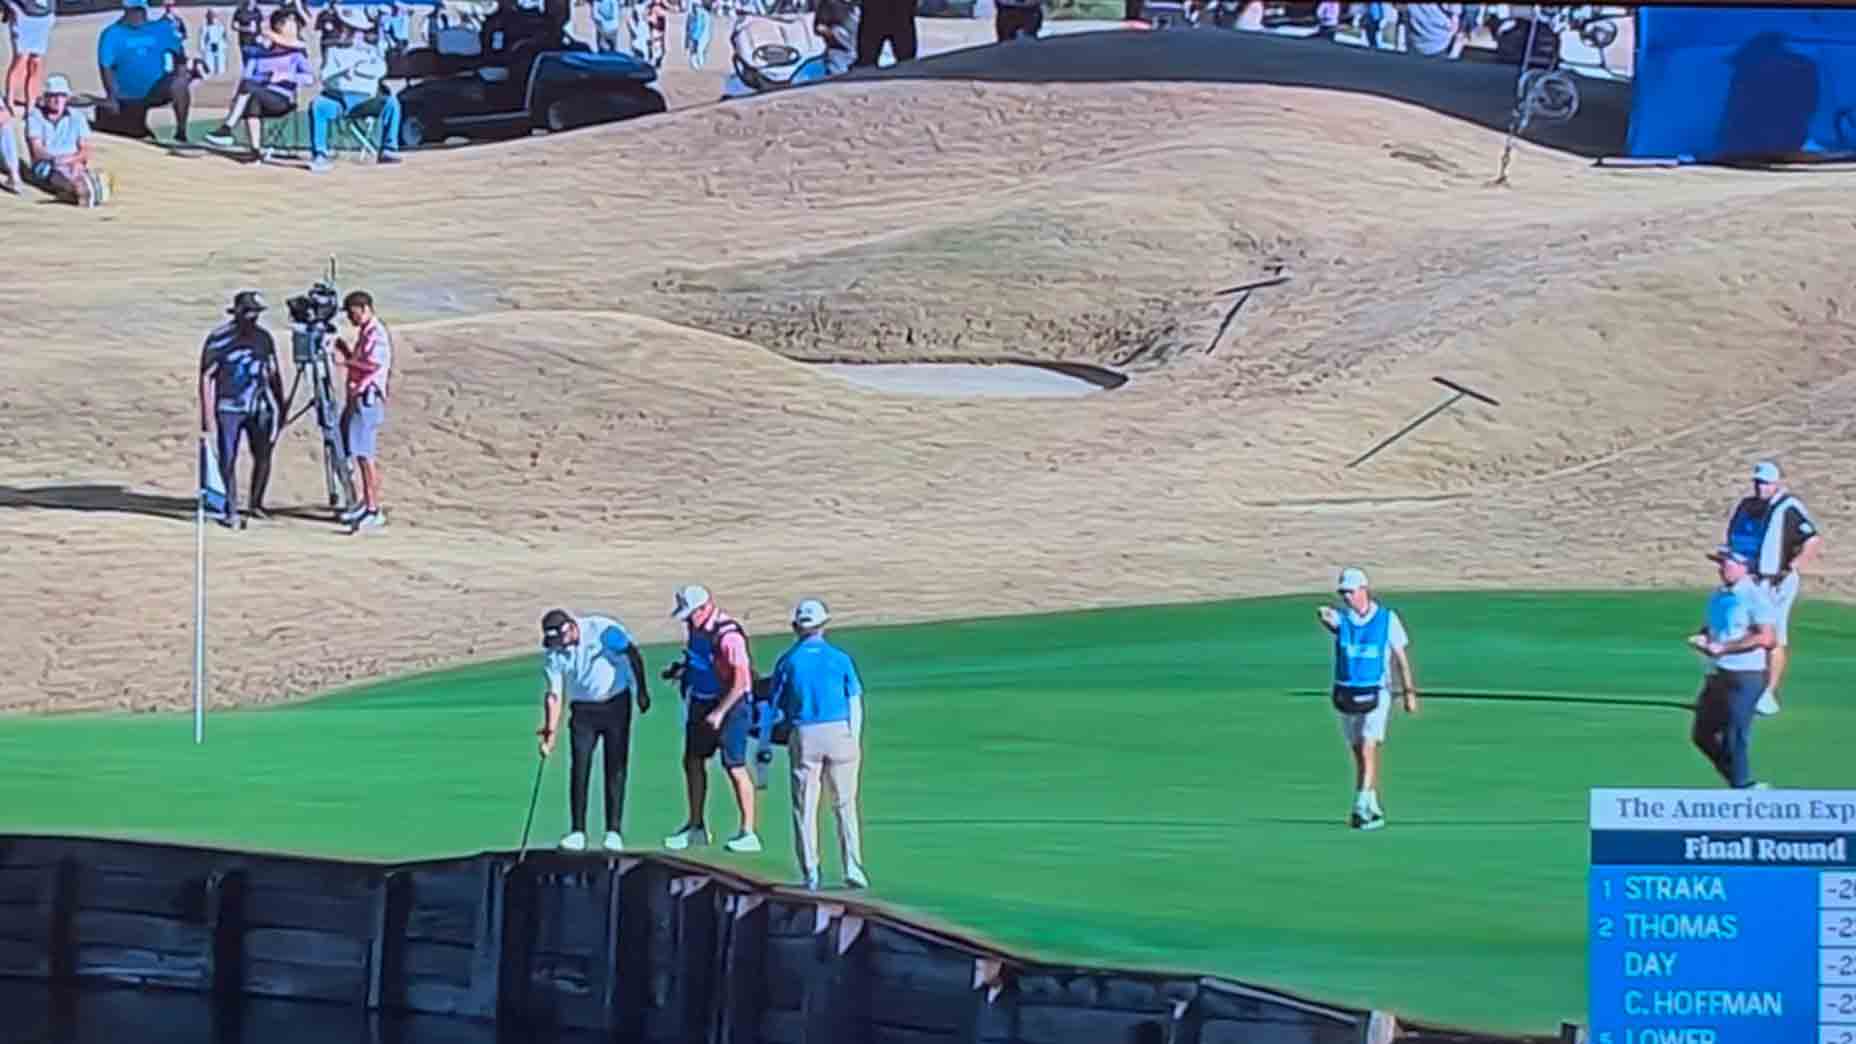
1369, 727
32, 34
1784, 596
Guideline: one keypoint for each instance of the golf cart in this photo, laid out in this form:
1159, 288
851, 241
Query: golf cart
558, 85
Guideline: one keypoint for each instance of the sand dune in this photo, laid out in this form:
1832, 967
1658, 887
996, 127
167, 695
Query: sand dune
594, 400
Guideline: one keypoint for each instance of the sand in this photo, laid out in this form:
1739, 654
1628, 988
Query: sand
597, 399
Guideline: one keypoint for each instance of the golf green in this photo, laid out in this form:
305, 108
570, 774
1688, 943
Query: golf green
1158, 787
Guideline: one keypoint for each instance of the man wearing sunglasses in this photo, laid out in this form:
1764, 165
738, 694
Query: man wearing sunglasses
1779, 539
592, 663
1369, 641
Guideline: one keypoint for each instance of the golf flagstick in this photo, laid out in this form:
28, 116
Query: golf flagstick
211, 487
535, 796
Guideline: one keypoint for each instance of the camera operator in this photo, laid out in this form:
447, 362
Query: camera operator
368, 363
241, 393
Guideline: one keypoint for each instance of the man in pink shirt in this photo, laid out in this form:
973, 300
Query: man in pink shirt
717, 676
369, 362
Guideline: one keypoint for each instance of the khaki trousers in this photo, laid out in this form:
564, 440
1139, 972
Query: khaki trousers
825, 755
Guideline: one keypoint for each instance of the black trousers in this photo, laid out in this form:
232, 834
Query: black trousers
259, 427
592, 723
886, 21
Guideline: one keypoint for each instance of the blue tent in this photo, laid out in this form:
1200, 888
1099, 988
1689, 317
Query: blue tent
1744, 83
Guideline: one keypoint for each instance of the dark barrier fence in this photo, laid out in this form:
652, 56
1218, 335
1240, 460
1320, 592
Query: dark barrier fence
634, 949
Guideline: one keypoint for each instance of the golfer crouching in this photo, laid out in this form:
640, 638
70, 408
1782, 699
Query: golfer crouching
816, 687
592, 663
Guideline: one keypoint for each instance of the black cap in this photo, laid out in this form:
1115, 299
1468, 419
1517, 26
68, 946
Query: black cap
554, 628
247, 302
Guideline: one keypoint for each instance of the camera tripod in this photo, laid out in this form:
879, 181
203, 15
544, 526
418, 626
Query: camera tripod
309, 349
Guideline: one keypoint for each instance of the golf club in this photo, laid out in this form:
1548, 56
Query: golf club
533, 797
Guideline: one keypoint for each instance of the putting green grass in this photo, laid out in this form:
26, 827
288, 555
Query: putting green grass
1160, 787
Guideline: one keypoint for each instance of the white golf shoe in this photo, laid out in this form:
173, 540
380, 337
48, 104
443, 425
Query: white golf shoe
613, 841
743, 842
1768, 704
688, 837
854, 877
574, 842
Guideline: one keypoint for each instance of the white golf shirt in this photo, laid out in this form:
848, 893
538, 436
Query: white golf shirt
595, 669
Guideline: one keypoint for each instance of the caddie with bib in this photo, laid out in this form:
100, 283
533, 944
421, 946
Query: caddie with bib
1369, 639
1779, 540
717, 677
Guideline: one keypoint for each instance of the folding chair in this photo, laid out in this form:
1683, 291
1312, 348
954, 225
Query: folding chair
286, 135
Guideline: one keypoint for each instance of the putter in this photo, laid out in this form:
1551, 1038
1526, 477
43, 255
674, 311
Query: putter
1421, 418
534, 796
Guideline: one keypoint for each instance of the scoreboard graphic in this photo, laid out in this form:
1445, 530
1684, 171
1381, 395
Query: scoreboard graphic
1722, 917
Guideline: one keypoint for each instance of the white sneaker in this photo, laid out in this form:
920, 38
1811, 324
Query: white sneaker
854, 878
574, 842
1373, 821
1768, 704
811, 883
688, 837
742, 842
371, 520
320, 165
613, 841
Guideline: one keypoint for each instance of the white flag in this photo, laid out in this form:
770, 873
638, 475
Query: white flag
212, 485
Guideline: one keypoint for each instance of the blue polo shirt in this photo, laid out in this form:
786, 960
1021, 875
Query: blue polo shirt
814, 682
138, 55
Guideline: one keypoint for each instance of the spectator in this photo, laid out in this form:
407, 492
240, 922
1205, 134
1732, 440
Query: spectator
836, 23
1373, 23
273, 71
172, 14
58, 143
1327, 19
606, 26
30, 27
9, 151
1016, 18
143, 65
395, 31
696, 27
213, 45
657, 24
247, 24
369, 364
1432, 29
889, 22
351, 73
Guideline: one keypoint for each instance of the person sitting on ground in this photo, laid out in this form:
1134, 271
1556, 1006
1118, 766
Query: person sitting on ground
143, 65
274, 70
351, 73
58, 139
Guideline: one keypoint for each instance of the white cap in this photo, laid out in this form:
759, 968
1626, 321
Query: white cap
1766, 471
810, 615
1352, 579
56, 84
690, 597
